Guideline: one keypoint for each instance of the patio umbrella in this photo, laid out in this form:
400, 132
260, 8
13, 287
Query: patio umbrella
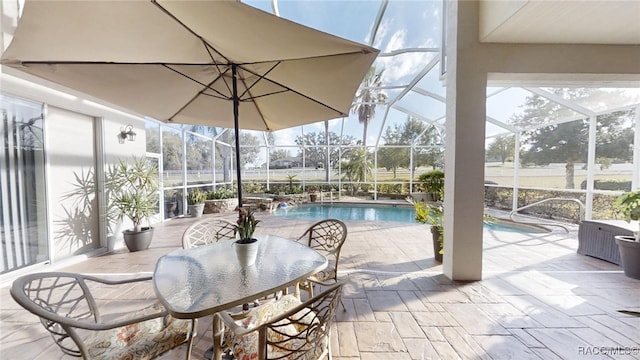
213, 63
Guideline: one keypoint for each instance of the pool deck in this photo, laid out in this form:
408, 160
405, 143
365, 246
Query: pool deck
538, 299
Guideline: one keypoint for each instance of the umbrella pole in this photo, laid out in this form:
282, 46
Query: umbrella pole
236, 105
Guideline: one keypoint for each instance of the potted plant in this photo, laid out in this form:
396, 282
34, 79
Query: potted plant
313, 193
171, 204
628, 205
432, 213
220, 199
246, 246
195, 200
134, 189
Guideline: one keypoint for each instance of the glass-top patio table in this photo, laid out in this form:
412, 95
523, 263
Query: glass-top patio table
201, 281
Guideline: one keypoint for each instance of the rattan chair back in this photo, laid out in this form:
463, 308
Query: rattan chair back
327, 237
66, 306
207, 231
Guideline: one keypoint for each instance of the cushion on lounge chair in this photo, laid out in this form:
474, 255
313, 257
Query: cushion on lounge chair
324, 275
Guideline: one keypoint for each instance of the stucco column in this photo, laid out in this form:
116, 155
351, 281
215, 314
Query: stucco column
466, 81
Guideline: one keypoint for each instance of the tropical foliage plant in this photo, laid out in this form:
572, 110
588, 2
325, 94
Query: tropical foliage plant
196, 196
221, 193
246, 225
134, 190
358, 169
628, 205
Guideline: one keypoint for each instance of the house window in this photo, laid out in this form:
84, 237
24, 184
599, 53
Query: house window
22, 186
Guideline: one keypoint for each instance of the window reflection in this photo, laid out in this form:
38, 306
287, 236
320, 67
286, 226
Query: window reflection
22, 187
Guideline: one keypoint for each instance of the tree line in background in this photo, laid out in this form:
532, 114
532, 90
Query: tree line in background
566, 142
540, 144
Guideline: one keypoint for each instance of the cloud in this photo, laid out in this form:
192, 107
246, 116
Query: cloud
286, 137
405, 65
396, 41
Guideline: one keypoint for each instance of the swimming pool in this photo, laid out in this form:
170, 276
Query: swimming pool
398, 213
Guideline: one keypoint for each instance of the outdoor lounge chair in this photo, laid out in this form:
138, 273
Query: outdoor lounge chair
286, 328
326, 237
207, 231
83, 327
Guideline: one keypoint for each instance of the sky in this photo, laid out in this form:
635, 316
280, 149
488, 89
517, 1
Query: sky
408, 37
405, 25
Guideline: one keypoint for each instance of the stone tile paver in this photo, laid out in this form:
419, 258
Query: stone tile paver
475, 321
406, 325
539, 299
564, 343
500, 347
421, 349
378, 337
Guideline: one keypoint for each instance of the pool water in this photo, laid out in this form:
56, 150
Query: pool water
349, 212
382, 213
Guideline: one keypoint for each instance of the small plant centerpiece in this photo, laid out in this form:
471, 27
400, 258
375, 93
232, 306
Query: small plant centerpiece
628, 205
134, 195
196, 199
246, 246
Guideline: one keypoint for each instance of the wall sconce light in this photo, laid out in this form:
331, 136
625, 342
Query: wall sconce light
126, 133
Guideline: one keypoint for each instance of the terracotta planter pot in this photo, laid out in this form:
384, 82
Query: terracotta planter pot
629, 255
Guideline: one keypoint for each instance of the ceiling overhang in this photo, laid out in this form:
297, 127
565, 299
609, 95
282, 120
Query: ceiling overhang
563, 80
560, 21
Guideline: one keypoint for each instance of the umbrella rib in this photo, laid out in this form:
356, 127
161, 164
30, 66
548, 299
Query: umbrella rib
201, 92
289, 89
206, 86
260, 77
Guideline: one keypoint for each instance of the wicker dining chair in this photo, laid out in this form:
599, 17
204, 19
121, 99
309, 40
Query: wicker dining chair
326, 237
207, 231
286, 328
85, 327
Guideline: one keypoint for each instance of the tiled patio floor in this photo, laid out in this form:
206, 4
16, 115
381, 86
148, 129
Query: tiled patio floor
539, 299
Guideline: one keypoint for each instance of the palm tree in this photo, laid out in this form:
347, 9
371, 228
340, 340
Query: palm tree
368, 96
357, 169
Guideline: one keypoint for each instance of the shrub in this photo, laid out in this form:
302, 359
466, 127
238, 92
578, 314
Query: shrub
196, 197
614, 185
391, 188
432, 180
221, 193
253, 188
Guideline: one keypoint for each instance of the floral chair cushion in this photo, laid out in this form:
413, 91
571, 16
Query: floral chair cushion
324, 275
144, 340
285, 334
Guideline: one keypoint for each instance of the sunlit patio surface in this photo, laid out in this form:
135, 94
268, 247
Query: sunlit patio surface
539, 299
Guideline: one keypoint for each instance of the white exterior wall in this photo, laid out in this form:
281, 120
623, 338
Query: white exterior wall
70, 154
80, 136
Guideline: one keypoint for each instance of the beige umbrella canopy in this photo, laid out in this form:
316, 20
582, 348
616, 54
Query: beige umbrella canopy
213, 63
